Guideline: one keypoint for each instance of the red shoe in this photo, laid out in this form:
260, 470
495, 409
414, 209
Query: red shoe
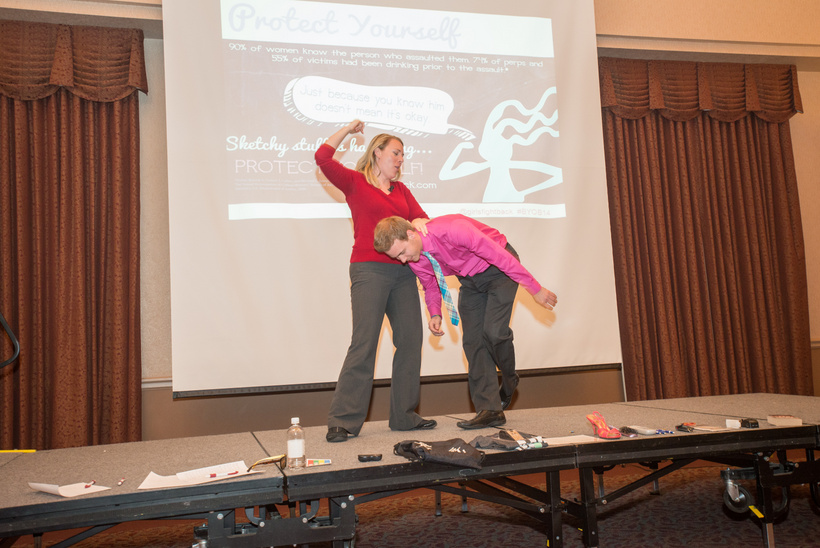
600, 427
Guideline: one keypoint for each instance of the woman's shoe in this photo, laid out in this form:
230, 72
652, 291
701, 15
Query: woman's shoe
600, 427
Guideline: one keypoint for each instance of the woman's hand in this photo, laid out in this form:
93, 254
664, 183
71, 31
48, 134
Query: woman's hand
356, 126
418, 224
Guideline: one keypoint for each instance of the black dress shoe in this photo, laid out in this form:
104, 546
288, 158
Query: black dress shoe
506, 399
484, 419
426, 424
336, 434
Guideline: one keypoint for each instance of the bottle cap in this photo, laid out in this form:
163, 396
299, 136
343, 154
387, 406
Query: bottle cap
294, 420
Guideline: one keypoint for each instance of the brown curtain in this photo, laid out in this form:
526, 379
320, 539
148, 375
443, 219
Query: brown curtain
69, 234
706, 229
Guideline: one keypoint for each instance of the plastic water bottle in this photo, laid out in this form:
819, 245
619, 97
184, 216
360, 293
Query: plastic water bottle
296, 445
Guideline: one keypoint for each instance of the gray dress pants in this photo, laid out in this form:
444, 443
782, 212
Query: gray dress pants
377, 289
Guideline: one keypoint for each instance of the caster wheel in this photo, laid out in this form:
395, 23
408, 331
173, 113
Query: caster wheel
741, 505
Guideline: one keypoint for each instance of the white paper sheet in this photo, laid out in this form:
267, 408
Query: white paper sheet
570, 440
200, 475
72, 490
706, 428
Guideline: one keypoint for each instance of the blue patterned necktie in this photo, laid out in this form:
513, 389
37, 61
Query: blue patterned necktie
445, 292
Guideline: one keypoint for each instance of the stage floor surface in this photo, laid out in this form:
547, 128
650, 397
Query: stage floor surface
571, 445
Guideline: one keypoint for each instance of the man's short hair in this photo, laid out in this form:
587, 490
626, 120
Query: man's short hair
388, 231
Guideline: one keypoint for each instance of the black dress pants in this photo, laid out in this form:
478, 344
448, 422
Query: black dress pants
485, 303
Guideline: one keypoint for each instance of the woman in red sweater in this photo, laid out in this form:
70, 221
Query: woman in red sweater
379, 285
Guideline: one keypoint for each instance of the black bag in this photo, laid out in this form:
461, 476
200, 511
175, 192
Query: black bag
456, 452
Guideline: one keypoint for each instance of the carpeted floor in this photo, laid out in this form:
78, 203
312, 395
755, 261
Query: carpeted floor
688, 512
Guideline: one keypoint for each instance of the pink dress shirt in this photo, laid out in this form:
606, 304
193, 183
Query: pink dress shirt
465, 247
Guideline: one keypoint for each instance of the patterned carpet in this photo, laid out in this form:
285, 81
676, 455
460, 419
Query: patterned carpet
688, 512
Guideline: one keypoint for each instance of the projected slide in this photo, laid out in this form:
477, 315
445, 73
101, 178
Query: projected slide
479, 108
498, 107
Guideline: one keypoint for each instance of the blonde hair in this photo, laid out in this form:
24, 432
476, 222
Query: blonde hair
389, 230
367, 163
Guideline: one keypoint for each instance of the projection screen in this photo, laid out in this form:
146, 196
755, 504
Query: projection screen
498, 107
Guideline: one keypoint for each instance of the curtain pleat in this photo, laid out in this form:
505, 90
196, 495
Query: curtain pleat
706, 228
681, 90
69, 217
95, 63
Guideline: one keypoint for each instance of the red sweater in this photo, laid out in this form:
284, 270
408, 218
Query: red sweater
368, 204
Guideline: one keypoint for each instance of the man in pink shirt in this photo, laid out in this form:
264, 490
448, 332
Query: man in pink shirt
489, 271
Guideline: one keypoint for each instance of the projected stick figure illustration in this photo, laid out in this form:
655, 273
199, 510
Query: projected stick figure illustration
497, 151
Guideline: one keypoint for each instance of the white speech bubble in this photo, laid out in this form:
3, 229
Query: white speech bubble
403, 109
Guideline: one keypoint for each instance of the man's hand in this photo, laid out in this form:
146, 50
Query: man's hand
435, 326
546, 298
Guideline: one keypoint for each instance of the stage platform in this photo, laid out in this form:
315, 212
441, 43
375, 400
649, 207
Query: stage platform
282, 507
26, 511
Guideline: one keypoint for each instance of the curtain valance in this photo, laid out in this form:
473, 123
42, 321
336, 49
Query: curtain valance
680, 90
95, 63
